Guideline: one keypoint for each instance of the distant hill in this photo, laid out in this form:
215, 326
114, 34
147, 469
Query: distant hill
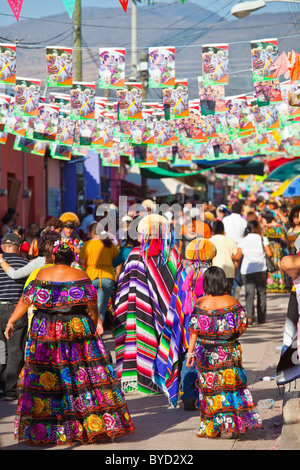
186, 27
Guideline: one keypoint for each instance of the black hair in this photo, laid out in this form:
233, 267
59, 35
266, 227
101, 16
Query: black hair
215, 282
268, 216
218, 227
251, 225
294, 211
236, 208
46, 243
64, 255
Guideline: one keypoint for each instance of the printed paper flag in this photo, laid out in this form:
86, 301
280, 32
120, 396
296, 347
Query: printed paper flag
59, 67
8, 64
16, 6
69, 5
124, 4
83, 100
215, 64
111, 68
161, 67
263, 53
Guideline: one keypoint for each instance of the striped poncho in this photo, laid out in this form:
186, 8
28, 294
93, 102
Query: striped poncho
142, 300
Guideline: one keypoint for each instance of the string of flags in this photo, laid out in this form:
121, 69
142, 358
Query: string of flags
71, 119
16, 6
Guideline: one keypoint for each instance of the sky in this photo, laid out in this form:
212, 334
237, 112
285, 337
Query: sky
39, 9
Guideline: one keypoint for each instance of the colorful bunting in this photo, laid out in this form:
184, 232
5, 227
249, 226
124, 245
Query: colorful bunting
124, 4
69, 5
16, 6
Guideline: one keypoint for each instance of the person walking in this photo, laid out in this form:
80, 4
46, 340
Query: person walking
276, 235
170, 370
255, 248
10, 292
228, 254
96, 257
235, 225
142, 300
70, 391
226, 404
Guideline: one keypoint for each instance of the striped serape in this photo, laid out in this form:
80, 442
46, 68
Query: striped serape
142, 301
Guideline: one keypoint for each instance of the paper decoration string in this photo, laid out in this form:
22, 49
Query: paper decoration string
16, 6
124, 4
69, 5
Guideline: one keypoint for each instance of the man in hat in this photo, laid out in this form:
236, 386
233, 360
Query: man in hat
170, 365
10, 292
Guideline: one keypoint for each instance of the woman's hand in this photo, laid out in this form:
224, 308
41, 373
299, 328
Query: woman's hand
9, 330
190, 359
99, 327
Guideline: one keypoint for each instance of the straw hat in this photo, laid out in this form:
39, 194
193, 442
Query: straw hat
70, 217
201, 249
148, 203
151, 222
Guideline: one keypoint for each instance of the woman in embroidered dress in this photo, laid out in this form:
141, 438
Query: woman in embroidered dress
70, 391
226, 404
277, 241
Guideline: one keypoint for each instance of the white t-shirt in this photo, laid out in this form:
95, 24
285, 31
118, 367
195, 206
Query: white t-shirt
254, 256
234, 226
226, 247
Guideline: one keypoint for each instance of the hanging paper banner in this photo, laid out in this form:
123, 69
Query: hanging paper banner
267, 92
4, 108
59, 67
124, 4
212, 98
203, 151
16, 6
111, 156
239, 117
16, 125
61, 152
27, 96
8, 65
65, 129
215, 64
83, 100
142, 131
176, 100
44, 126
162, 130
263, 54
103, 135
35, 147
112, 68
183, 156
3, 137
266, 118
161, 63
130, 102
69, 5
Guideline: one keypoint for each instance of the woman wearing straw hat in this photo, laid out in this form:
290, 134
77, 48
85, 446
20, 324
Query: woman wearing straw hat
171, 354
142, 300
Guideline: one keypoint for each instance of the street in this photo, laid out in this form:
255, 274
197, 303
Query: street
160, 428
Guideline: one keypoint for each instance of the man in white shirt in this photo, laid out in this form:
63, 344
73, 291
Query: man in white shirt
228, 254
235, 225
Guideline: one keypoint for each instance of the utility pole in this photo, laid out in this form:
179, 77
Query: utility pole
77, 41
134, 59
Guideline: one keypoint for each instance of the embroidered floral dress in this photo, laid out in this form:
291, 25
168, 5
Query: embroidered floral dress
70, 391
276, 280
225, 401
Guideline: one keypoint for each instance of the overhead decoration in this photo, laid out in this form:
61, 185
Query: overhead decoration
69, 5
161, 63
16, 6
8, 64
69, 119
59, 67
124, 4
263, 53
215, 64
111, 68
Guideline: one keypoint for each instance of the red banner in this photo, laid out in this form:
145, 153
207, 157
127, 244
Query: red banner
124, 4
16, 6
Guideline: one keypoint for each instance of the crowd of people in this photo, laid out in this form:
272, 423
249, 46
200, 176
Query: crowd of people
168, 285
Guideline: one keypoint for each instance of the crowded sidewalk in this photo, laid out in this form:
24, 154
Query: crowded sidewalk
158, 427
